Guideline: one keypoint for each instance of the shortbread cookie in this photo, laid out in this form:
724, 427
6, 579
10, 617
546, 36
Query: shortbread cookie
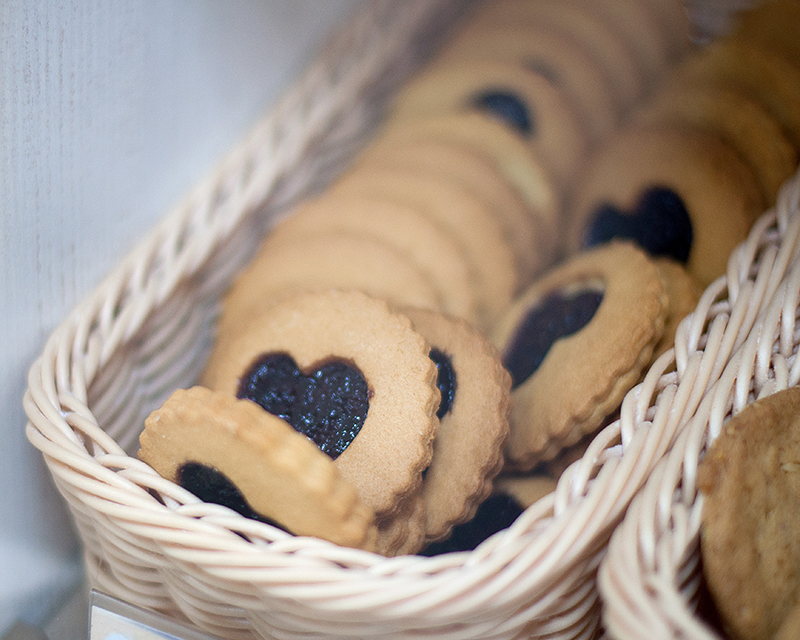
429, 245
683, 293
473, 420
767, 76
510, 155
403, 532
527, 489
366, 360
750, 481
635, 22
316, 262
523, 100
574, 343
463, 214
232, 452
771, 24
557, 56
532, 241
573, 18
676, 191
738, 119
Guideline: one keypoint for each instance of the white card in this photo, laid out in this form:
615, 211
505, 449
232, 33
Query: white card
113, 619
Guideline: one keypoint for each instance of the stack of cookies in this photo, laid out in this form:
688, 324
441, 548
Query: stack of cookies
438, 333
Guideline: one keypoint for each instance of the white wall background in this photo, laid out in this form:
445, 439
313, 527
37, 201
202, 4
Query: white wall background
109, 112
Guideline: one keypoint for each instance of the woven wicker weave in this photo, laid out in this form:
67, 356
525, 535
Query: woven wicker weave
147, 330
748, 328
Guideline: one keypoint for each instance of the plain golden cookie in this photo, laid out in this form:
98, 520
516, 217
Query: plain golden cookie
473, 420
574, 343
296, 339
750, 485
280, 475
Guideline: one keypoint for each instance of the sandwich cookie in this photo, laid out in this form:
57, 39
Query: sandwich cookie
574, 343
349, 373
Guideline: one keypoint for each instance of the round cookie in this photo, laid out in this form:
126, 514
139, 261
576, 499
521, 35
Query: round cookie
738, 119
556, 56
283, 361
533, 243
315, 262
771, 24
403, 533
526, 490
683, 294
204, 440
635, 22
473, 420
510, 155
750, 485
533, 108
465, 217
571, 17
765, 75
677, 191
428, 244
574, 343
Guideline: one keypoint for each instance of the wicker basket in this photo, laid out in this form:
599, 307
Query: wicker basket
148, 328
747, 324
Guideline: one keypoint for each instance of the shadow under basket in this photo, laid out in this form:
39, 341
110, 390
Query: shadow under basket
148, 328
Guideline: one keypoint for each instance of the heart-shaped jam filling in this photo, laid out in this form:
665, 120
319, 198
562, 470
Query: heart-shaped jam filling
659, 223
445, 381
329, 405
494, 514
211, 485
507, 107
558, 315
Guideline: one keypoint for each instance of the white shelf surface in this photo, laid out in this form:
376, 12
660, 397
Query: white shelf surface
109, 113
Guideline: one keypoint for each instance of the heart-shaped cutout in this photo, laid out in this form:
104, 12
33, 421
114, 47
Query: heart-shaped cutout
659, 223
507, 107
329, 404
556, 316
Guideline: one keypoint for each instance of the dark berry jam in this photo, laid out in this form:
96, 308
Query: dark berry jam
508, 108
494, 514
211, 485
329, 405
659, 223
445, 380
555, 316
